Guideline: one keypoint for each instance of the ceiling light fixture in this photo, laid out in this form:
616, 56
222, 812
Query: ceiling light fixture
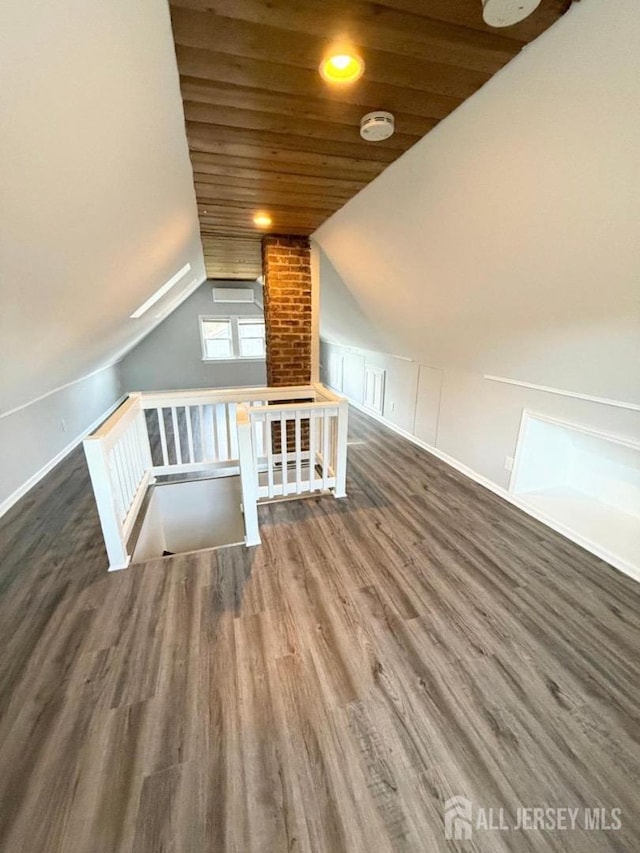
342, 66
160, 292
262, 220
506, 13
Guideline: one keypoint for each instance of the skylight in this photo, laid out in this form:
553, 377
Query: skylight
160, 292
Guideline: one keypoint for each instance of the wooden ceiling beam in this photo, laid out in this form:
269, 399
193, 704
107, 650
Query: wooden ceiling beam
283, 168
265, 132
213, 139
296, 183
280, 215
269, 202
240, 196
232, 257
278, 103
246, 40
356, 151
291, 126
225, 230
278, 77
373, 25
465, 13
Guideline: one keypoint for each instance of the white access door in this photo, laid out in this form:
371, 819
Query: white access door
374, 389
335, 370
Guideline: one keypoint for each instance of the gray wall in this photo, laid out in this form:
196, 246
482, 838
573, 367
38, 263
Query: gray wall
469, 418
33, 437
170, 357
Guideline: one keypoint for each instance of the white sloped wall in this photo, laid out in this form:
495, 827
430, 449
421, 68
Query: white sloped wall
505, 243
97, 210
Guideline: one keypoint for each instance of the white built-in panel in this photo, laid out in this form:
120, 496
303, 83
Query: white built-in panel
374, 388
428, 404
587, 481
353, 376
334, 369
233, 294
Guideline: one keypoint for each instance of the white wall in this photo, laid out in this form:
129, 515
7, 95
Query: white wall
34, 437
170, 357
505, 243
98, 207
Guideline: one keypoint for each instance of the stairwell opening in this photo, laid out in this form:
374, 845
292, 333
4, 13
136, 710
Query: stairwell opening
184, 515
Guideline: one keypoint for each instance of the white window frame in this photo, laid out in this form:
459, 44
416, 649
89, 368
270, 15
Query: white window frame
233, 319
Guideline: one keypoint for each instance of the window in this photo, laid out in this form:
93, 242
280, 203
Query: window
251, 338
217, 341
232, 338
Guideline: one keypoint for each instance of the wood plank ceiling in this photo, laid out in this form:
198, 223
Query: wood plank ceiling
266, 133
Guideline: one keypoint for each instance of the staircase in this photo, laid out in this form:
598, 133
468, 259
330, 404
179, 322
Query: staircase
282, 442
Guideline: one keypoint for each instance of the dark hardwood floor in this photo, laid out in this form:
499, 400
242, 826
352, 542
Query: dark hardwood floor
327, 691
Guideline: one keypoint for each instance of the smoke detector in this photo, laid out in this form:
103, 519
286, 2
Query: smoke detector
376, 126
505, 13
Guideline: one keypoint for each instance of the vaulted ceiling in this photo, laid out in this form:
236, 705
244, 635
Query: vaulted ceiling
267, 133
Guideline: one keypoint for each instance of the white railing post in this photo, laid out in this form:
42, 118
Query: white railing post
340, 490
143, 441
121, 465
98, 464
248, 477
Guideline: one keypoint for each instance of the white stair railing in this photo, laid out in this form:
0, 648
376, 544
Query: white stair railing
282, 441
248, 478
196, 429
119, 460
292, 449
299, 448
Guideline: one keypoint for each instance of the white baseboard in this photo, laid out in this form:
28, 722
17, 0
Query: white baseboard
604, 554
13, 498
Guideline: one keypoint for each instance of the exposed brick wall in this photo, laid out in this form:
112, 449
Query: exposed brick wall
287, 309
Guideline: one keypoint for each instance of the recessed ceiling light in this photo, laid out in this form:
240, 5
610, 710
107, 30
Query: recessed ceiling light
262, 220
342, 66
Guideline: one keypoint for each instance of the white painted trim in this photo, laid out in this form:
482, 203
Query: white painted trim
208, 396
157, 320
315, 311
55, 391
248, 477
6, 505
518, 451
528, 414
178, 300
362, 351
625, 567
238, 360
605, 401
160, 292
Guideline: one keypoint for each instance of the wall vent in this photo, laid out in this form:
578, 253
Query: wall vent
233, 294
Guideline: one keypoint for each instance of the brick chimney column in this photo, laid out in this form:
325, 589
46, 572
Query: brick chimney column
287, 309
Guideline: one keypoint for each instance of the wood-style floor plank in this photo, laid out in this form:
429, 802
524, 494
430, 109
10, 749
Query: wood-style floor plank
325, 692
